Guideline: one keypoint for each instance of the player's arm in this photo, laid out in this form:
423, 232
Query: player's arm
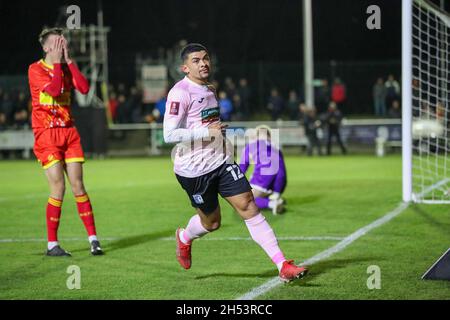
39, 79
79, 81
176, 110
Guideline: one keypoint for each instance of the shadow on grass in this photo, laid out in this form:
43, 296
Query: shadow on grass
444, 227
267, 274
326, 266
20, 276
308, 199
137, 240
308, 281
131, 241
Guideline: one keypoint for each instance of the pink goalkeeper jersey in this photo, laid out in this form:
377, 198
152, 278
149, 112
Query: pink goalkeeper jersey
190, 109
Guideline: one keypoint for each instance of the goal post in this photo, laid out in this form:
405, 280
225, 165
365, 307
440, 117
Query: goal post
407, 99
425, 101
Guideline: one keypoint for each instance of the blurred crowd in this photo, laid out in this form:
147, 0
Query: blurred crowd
236, 101
15, 108
386, 97
126, 105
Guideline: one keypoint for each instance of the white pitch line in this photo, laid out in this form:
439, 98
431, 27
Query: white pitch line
299, 238
45, 240
274, 282
324, 238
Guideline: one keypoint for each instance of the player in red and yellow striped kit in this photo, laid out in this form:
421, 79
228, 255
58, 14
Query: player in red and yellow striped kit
57, 142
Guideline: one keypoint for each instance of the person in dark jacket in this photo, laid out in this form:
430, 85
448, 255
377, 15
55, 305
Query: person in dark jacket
333, 120
312, 124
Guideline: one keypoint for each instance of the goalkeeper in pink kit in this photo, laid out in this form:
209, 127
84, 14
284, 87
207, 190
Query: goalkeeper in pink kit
204, 165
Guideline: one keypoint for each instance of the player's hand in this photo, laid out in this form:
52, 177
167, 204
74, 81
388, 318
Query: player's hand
217, 128
56, 50
66, 51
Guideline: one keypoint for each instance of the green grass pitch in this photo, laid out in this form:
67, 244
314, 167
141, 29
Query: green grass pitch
138, 204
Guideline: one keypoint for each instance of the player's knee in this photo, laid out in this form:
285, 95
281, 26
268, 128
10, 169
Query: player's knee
78, 187
58, 185
212, 223
212, 226
247, 203
58, 188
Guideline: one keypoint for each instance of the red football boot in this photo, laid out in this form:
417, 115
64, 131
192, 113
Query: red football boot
289, 271
183, 251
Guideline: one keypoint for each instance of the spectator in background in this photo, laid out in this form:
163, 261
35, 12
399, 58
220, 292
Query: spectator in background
275, 104
302, 109
338, 93
245, 96
312, 124
160, 109
226, 106
238, 113
333, 120
2, 114
122, 109
293, 105
8, 109
392, 90
1, 98
416, 97
323, 96
2, 120
440, 111
111, 88
229, 87
121, 89
113, 103
379, 97
426, 111
395, 110
135, 105
21, 110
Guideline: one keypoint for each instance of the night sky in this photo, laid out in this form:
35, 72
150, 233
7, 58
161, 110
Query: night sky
261, 40
237, 31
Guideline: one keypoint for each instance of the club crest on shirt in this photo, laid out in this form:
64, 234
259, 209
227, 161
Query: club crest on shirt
174, 108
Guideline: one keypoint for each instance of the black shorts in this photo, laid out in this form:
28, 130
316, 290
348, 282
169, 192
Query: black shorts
227, 180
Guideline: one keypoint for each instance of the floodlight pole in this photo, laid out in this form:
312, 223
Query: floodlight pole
407, 99
308, 49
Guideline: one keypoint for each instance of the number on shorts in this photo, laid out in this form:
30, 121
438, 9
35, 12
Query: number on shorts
235, 172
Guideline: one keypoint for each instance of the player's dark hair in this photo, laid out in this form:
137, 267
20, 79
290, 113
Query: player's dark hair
191, 47
46, 32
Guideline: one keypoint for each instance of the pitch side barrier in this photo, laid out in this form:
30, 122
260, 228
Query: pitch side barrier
147, 138
286, 133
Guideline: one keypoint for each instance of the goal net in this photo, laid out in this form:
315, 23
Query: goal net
429, 117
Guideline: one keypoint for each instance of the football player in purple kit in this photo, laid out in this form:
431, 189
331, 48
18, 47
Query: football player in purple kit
269, 178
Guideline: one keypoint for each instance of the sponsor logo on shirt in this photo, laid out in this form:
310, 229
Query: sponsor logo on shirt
210, 115
174, 108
